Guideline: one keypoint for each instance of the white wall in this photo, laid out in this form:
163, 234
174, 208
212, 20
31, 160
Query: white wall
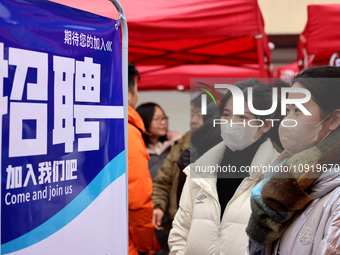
176, 105
287, 16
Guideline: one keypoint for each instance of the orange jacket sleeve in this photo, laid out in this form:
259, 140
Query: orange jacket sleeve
141, 227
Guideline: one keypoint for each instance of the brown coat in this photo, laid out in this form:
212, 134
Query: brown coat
165, 183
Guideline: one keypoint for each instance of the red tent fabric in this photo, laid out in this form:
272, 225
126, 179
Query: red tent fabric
321, 36
178, 77
190, 35
287, 71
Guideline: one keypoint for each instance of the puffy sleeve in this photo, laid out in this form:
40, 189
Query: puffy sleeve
330, 244
182, 222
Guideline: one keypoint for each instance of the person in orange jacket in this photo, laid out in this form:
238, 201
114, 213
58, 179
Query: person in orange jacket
141, 227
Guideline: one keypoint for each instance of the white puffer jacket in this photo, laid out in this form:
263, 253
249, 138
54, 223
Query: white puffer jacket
316, 229
197, 229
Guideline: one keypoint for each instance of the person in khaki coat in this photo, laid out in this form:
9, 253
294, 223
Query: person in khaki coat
165, 183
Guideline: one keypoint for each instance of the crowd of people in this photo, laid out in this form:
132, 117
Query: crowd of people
175, 209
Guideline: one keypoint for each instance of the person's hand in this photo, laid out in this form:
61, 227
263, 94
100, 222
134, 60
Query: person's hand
157, 218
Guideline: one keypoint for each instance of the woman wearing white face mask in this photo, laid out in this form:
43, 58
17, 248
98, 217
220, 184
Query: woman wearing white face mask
214, 207
297, 209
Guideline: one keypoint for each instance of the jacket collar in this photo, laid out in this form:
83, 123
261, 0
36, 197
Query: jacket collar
325, 183
207, 181
265, 155
135, 119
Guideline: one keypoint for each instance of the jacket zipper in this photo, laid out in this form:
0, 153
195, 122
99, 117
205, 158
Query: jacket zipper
278, 247
218, 241
279, 243
219, 230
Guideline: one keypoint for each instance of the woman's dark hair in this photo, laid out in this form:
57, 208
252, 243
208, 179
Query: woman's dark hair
147, 111
132, 73
262, 98
323, 82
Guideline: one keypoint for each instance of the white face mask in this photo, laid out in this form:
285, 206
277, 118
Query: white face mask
301, 137
237, 137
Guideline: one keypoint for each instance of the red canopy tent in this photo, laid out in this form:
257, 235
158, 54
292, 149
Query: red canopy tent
319, 43
171, 41
179, 76
321, 36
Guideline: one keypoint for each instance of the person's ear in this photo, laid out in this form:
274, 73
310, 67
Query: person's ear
266, 126
129, 95
334, 121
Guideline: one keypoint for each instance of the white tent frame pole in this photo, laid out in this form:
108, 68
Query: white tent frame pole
125, 44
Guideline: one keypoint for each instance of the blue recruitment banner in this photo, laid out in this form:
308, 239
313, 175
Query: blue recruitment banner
63, 179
